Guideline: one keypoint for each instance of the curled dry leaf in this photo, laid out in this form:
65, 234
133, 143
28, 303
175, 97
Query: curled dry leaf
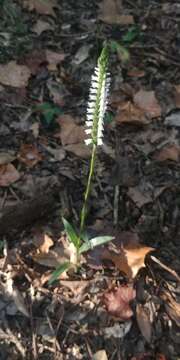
117, 302
43, 242
14, 75
111, 12
172, 307
144, 323
8, 175
29, 155
171, 152
146, 100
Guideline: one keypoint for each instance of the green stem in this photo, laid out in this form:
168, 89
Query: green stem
87, 192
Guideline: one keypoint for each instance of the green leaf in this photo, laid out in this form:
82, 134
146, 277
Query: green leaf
49, 111
99, 240
72, 236
60, 269
131, 35
122, 52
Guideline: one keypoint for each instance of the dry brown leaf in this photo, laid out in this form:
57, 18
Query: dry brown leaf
177, 96
8, 175
29, 155
117, 302
70, 132
34, 59
129, 113
43, 242
7, 157
144, 323
135, 72
171, 152
146, 100
81, 150
128, 261
53, 58
43, 7
41, 26
172, 307
77, 287
15, 294
139, 197
111, 12
14, 75
100, 355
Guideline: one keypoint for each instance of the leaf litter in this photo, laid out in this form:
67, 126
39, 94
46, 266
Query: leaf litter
55, 74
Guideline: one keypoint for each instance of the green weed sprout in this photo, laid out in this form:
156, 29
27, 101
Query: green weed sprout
97, 105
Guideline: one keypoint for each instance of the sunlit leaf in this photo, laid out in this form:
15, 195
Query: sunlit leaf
72, 236
99, 240
60, 269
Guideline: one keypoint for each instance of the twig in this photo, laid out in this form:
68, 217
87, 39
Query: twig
165, 267
116, 205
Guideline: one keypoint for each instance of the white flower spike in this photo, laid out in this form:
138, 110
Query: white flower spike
98, 99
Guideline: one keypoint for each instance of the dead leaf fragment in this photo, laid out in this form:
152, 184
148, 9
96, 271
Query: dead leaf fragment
144, 323
100, 355
43, 7
41, 26
53, 58
140, 198
8, 175
7, 157
171, 152
70, 132
146, 100
81, 150
117, 302
129, 113
111, 12
14, 75
29, 154
117, 331
43, 241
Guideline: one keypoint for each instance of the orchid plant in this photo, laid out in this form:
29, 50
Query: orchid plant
97, 105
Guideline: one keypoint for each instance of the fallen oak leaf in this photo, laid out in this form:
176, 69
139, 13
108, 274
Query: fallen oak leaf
117, 302
128, 261
70, 132
8, 174
111, 13
14, 75
127, 112
43, 7
147, 101
171, 152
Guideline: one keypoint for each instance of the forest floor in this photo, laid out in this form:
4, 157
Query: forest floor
123, 302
